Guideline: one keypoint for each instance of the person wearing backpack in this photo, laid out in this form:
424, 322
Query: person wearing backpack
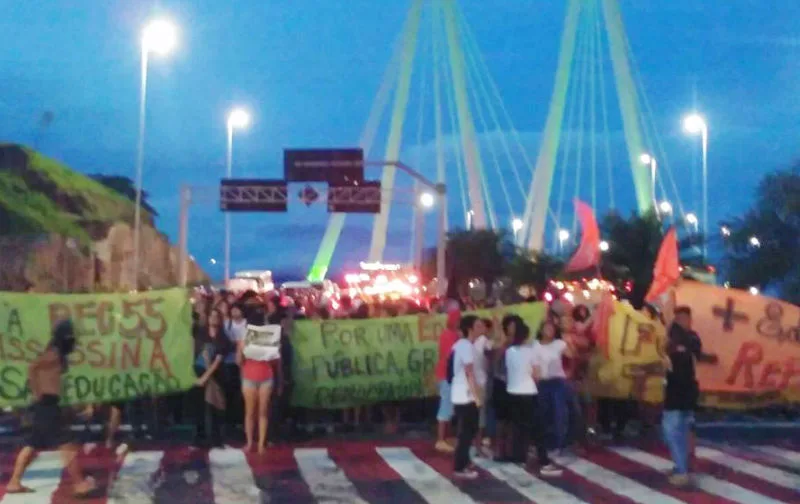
466, 394
444, 415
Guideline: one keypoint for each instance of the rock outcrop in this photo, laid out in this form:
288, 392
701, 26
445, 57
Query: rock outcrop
61, 231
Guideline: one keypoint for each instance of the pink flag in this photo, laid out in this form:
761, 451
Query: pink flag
667, 269
588, 253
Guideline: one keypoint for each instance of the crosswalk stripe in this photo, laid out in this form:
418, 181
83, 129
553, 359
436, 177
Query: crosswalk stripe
43, 477
324, 478
133, 484
708, 484
526, 484
788, 455
432, 486
620, 485
232, 479
770, 474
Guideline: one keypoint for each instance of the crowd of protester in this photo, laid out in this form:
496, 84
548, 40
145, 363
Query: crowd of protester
507, 388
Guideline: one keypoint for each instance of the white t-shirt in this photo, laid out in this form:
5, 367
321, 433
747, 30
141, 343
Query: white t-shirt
235, 331
481, 365
549, 356
520, 361
463, 355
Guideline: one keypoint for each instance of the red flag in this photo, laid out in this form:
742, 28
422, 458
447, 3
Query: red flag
588, 253
601, 321
667, 269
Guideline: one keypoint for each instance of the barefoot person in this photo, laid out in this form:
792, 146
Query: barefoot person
47, 426
256, 355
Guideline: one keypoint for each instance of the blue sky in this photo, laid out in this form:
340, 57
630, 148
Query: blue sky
310, 69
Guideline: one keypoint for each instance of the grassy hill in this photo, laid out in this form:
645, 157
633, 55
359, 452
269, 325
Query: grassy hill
41, 195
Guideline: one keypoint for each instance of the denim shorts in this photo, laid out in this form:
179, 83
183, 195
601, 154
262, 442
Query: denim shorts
445, 413
256, 384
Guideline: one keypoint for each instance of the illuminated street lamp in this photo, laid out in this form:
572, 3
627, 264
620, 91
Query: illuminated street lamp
695, 124
158, 37
516, 226
238, 118
691, 219
604, 246
665, 207
426, 200
754, 291
755, 242
563, 235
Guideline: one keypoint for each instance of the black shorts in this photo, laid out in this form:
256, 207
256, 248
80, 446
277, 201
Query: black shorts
500, 401
48, 425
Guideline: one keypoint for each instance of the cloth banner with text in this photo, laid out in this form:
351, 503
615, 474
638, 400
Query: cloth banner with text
756, 338
128, 345
346, 363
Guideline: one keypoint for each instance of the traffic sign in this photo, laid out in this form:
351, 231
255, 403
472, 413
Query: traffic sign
363, 198
253, 195
308, 195
335, 166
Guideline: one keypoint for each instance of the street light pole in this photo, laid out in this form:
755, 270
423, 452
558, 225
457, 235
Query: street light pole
419, 226
653, 168
137, 216
441, 285
237, 119
704, 134
650, 161
694, 124
160, 37
228, 174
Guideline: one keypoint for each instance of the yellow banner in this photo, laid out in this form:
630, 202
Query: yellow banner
634, 367
756, 338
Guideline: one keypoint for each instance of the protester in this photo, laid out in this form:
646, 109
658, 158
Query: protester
48, 428
682, 392
257, 382
211, 379
482, 346
503, 442
235, 331
465, 394
550, 350
523, 367
444, 416
581, 339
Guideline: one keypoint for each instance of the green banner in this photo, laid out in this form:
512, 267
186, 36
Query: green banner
346, 363
129, 345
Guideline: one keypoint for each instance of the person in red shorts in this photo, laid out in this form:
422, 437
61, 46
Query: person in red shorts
257, 364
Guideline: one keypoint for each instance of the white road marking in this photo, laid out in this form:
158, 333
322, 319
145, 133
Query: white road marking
426, 481
704, 482
325, 479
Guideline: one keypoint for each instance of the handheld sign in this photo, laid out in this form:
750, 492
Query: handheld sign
262, 342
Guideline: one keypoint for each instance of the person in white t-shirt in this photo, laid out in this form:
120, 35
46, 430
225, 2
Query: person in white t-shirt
465, 394
522, 369
482, 346
550, 351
